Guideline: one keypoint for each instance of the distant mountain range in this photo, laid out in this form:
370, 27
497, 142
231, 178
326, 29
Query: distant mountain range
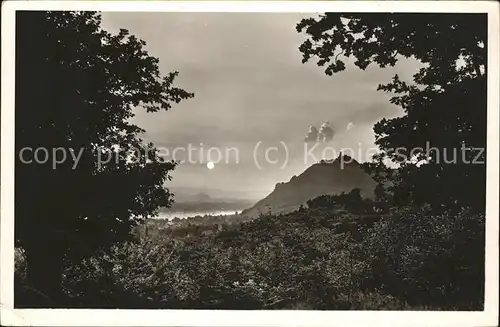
188, 201
192, 194
320, 179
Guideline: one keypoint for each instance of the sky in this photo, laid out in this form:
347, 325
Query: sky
253, 95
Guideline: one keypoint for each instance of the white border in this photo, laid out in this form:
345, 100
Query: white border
87, 317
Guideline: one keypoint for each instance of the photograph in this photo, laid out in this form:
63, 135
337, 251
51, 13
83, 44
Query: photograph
249, 161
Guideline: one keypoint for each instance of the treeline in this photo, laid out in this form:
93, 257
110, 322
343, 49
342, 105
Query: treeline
187, 227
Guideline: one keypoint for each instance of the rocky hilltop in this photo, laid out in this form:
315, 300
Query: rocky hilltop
341, 175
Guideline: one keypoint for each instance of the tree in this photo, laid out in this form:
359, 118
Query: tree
444, 106
351, 202
76, 88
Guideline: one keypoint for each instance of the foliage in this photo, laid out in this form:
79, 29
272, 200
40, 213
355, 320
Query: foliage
415, 254
417, 246
310, 259
444, 107
76, 88
350, 202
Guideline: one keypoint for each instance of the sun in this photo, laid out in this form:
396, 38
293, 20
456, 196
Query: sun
210, 165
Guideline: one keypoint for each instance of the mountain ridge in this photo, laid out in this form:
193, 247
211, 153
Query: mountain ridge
323, 178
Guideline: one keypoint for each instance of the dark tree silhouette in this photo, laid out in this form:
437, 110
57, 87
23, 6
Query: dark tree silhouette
351, 201
76, 87
444, 106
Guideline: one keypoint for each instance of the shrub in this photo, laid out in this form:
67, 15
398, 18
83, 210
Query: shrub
428, 259
310, 259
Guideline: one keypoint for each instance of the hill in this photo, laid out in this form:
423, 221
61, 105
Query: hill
342, 175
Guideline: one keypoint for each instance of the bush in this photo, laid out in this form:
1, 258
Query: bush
309, 259
125, 276
428, 259
154, 274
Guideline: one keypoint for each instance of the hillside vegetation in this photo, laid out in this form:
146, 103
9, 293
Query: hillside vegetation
337, 253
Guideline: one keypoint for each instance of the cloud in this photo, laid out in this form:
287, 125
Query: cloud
245, 67
312, 135
326, 132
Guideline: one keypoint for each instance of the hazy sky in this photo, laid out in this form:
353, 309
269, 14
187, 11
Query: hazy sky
250, 86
